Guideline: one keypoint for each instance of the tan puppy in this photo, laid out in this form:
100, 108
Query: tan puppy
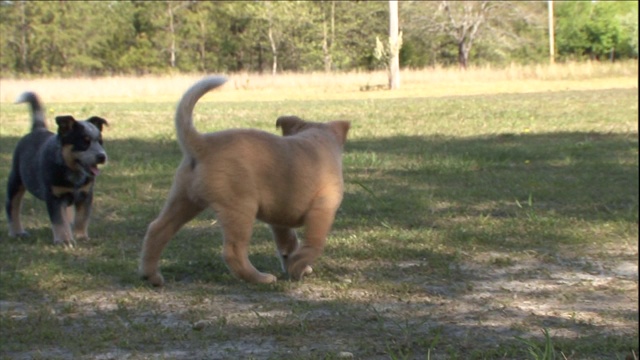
244, 174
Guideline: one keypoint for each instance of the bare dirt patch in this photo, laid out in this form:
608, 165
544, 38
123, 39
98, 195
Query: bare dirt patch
492, 301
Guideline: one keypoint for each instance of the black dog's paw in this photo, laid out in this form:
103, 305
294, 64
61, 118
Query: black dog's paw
70, 244
21, 234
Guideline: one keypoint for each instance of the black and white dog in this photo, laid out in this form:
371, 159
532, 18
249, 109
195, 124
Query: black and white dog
57, 168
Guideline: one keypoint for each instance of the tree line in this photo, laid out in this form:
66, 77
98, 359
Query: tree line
96, 38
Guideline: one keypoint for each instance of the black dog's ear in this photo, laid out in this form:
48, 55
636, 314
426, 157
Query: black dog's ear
98, 122
65, 124
289, 124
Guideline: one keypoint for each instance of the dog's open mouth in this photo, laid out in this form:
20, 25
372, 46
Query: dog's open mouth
94, 170
90, 169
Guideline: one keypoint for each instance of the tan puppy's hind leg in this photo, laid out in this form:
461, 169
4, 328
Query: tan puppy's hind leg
237, 235
317, 225
177, 211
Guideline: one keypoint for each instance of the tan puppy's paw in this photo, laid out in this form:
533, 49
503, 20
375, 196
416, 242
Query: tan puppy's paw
81, 236
306, 271
299, 271
154, 279
299, 263
264, 278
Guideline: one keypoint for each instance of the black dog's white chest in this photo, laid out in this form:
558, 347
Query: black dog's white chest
76, 187
71, 197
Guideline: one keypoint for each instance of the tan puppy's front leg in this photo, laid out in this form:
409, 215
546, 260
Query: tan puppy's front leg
286, 243
236, 228
177, 211
317, 225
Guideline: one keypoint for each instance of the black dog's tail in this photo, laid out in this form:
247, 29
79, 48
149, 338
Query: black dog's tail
189, 138
37, 112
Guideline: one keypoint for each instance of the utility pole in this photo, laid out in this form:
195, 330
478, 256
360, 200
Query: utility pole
552, 46
394, 46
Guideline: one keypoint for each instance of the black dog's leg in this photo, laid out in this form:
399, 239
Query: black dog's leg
59, 216
15, 193
83, 212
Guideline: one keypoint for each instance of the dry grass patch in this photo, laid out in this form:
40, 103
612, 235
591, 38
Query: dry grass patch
436, 81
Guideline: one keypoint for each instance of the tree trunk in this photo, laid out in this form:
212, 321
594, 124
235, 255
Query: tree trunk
203, 45
325, 47
552, 46
274, 48
172, 33
612, 54
172, 30
463, 55
327, 43
394, 46
274, 51
24, 46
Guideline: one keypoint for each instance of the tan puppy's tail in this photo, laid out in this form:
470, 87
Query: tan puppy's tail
189, 138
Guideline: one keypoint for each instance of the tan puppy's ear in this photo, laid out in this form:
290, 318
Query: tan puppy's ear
289, 124
340, 129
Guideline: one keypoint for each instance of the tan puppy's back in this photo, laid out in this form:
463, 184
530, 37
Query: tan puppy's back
282, 174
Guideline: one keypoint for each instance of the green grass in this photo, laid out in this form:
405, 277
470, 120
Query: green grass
469, 223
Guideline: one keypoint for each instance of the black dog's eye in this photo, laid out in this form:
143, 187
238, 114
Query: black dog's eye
82, 143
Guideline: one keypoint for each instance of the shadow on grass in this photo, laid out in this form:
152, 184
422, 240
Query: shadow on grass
584, 175
415, 200
488, 190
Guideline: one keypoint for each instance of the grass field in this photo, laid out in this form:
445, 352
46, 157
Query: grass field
482, 219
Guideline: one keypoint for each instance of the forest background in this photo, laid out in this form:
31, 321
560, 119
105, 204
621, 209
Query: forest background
107, 38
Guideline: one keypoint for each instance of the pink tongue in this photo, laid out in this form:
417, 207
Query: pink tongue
94, 170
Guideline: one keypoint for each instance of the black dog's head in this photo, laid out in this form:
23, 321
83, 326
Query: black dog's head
81, 143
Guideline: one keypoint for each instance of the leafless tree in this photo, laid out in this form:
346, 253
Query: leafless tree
465, 20
495, 24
